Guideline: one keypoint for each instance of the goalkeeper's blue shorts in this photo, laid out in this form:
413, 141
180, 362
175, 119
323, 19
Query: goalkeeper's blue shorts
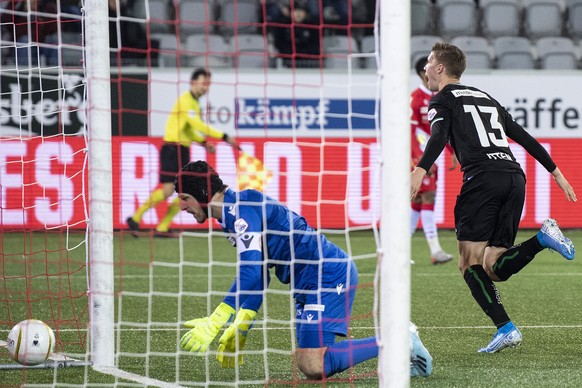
322, 315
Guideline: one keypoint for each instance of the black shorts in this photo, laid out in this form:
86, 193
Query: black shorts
489, 208
173, 157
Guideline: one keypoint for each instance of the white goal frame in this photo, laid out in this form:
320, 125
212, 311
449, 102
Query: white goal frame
394, 254
100, 260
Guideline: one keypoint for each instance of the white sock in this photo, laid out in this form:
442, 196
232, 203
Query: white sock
430, 231
414, 217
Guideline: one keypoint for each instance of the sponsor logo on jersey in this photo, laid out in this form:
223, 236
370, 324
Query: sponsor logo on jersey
249, 242
309, 317
314, 307
299, 312
499, 156
231, 210
240, 225
431, 114
469, 93
339, 287
247, 239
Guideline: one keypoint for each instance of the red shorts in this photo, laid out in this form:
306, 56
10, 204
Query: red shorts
429, 182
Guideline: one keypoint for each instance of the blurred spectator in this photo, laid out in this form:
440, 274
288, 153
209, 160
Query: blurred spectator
343, 14
132, 45
24, 27
70, 16
275, 8
71, 22
340, 14
370, 16
296, 36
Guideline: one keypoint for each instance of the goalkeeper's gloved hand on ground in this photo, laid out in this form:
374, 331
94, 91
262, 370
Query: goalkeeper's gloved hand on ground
204, 330
237, 331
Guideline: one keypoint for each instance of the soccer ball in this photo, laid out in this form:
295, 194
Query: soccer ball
30, 342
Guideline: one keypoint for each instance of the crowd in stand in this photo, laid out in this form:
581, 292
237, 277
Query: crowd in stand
295, 30
295, 27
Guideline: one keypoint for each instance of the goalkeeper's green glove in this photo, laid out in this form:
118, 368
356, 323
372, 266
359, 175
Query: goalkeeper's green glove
204, 330
237, 331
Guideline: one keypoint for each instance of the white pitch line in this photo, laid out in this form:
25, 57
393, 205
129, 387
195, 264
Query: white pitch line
147, 381
360, 274
282, 327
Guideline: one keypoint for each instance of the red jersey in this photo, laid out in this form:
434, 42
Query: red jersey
419, 124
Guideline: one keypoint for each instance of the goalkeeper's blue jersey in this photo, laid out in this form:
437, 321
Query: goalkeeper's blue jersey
268, 234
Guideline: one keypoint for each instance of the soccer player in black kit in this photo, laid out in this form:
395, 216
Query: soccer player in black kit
489, 206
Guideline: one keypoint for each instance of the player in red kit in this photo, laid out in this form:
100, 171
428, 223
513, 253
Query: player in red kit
423, 204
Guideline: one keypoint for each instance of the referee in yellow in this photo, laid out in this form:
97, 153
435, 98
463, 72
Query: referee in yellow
184, 126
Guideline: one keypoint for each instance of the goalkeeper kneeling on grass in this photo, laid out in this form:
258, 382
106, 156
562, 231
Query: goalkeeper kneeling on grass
267, 234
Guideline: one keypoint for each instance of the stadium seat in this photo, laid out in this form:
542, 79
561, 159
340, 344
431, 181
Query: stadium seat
250, 50
336, 50
195, 16
159, 15
574, 18
168, 46
477, 50
368, 44
71, 56
208, 50
421, 45
241, 16
421, 17
457, 17
513, 52
500, 18
543, 18
557, 53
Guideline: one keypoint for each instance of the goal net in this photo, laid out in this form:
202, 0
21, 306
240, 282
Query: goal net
43, 201
297, 87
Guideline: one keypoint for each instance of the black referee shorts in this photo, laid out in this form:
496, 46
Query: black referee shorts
173, 157
489, 208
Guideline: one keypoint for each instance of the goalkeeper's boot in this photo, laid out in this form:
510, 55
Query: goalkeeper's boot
133, 226
507, 336
550, 236
441, 257
420, 358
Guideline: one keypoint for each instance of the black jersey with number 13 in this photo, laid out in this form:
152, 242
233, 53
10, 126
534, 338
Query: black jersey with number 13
477, 128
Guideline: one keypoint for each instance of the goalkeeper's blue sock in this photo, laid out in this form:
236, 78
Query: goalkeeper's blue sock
344, 354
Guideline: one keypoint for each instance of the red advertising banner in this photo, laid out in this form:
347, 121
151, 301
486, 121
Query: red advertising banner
334, 184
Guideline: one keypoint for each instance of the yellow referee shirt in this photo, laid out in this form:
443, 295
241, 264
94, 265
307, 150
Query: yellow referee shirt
185, 123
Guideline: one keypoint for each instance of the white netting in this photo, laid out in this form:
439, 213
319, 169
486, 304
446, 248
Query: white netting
43, 209
309, 116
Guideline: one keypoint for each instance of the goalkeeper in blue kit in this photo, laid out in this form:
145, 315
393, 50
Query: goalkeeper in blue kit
322, 277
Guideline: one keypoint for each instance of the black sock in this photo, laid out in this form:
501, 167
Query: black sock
515, 258
486, 294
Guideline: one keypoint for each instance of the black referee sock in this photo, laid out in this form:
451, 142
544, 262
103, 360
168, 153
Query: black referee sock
515, 258
486, 294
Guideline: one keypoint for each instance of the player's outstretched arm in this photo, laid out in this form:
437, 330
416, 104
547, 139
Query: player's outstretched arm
416, 177
204, 330
230, 140
564, 185
236, 332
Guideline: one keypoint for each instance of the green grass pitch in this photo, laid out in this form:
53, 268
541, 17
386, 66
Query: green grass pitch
543, 300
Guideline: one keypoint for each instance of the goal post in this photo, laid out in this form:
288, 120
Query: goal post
312, 120
100, 260
394, 359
